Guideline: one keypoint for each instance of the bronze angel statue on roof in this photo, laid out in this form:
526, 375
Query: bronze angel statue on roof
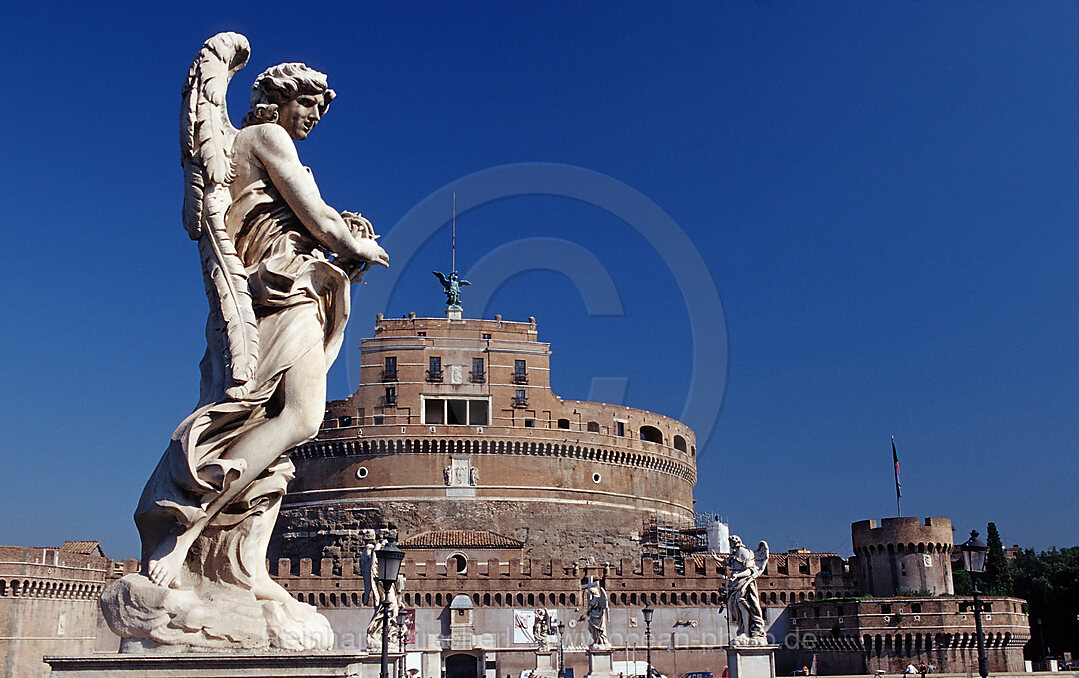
451, 285
277, 264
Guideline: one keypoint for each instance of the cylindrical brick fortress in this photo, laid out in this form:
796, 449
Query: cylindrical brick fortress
455, 427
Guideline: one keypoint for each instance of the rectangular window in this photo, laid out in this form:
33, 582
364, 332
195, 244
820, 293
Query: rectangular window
916, 607
530, 423
363, 412
477, 412
456, 412
391, 395
885, 608
620, 428
391, 363
434, 411
434, 368
486, 335
346, 421
519, 367
378, 421
477, 365
421, 334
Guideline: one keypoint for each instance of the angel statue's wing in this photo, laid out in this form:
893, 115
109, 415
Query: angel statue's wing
206, 137
441, 278
462, 283
760, 556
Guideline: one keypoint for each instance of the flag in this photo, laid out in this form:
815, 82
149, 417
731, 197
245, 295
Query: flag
895, 458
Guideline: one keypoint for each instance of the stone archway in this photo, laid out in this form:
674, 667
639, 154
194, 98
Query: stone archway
462, 666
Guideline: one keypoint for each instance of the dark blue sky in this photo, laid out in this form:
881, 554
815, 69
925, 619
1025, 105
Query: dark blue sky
886, 196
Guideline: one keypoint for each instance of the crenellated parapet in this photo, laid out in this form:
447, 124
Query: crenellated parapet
694, 582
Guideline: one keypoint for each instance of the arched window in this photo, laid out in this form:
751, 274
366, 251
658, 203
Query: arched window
487, 599
498, 599
680, 443
651, 434
458, 562
593, 427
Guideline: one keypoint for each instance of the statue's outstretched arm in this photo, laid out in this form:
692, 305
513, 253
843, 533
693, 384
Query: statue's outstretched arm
294, 182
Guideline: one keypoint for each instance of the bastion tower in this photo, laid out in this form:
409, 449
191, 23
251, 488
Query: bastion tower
903, 555
455, 429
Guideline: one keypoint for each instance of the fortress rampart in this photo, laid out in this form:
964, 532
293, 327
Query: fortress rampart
527, 583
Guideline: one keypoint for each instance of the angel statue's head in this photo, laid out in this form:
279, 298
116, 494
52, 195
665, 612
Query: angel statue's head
291, 95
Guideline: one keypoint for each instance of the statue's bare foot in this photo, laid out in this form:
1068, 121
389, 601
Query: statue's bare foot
267, 589
167, 562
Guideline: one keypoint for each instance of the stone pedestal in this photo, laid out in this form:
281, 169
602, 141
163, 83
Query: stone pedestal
599, 662
545, 665
752, 661
224, 665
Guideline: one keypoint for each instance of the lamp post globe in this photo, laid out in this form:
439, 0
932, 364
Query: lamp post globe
974, 550
389, 559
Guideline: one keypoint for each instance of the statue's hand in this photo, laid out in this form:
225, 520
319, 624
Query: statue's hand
370, 251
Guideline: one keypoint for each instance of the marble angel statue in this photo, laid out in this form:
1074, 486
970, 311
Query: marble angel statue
597, 614
743, 598
277, 265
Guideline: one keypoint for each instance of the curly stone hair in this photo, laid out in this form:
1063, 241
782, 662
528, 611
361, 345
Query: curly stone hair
282, 83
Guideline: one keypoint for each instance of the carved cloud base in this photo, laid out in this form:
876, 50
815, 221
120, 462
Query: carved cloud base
152, 619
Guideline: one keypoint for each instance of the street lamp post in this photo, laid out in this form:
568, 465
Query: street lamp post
561, 650
1045, 652
389, 563
974, 550
402, 629
648, 612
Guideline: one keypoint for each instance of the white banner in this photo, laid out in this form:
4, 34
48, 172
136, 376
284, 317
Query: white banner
523, 620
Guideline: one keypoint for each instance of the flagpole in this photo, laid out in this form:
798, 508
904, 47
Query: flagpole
898, 487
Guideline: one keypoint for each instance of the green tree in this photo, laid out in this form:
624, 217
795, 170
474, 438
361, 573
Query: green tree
997, 577
961, 582
1049, 581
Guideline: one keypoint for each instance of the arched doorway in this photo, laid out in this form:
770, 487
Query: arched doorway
461, 666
